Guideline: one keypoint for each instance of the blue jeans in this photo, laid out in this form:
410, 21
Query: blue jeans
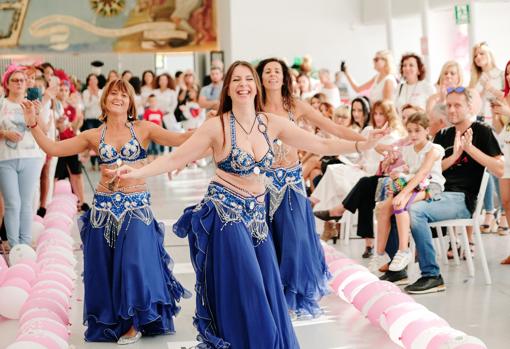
18, 183
448, 205
488, 199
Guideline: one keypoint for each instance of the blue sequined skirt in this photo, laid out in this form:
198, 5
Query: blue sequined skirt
299, 253
240, 302
126, 269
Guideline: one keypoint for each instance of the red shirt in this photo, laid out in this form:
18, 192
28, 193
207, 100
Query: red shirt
155, 116
70, 115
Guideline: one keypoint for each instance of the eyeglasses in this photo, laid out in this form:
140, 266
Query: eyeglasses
15, 81
459, 89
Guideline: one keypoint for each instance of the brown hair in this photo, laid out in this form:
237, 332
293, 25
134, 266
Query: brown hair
171, 81
418, 118
389, 112
288, 99
421, 67
225, 100
330, 110
122, 86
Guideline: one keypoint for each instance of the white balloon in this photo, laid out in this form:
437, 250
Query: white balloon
25, 345
21, 252
424, 338
57, 339
11, 301
37, 229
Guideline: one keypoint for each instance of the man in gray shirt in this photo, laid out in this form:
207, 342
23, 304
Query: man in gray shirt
210, 94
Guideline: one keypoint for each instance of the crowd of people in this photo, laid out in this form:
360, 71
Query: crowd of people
287, 144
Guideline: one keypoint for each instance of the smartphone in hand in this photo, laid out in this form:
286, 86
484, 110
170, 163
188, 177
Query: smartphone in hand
342, 66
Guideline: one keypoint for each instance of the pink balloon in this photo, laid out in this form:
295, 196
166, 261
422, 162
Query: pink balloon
54, 294
37, 218
68, 271
354, 284
340, 277
332, 257
45, 303
62, 187
3, 263
58, 224
415, 328
39, 313
442, 336
46, 341
32, 264
53, 233
17, 282
50, 284
59, 215
58, 277
3, 274
26, 344
370, 290
68, 256
385, 302
22, 271
53, 258
395, 312
338, 263
50, 243
45, 324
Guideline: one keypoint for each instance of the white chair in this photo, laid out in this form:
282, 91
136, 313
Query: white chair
459, 225
348, 221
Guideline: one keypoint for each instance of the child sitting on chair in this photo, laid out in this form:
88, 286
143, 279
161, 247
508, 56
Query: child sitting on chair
419, 178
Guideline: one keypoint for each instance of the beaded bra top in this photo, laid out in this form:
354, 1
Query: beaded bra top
130, 152
239, 162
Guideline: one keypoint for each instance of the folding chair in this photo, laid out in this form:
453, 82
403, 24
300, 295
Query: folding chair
459, 225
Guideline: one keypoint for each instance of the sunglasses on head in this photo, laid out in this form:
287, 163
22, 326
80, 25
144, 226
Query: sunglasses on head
459, 89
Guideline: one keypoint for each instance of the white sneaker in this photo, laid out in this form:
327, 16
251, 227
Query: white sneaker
377, 261
401, 260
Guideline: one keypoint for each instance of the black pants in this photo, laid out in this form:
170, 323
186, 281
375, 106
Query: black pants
362, 198
3, 232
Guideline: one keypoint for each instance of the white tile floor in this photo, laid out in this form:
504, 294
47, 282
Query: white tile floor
468, 304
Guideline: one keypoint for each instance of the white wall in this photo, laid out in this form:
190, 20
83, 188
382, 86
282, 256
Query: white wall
328, 30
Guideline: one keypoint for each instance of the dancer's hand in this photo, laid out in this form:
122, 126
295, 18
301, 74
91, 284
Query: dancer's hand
399, 201
127, 172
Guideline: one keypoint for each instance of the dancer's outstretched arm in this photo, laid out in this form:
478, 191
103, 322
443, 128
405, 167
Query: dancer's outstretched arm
294, 136
66, 147
313, 116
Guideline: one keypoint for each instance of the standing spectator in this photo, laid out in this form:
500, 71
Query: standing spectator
194, 115
112, 75
183, 96
148, 80
96, 70
414, 90
210, 94
154, 115
137, 86
305, 87
329, 88
48, 71
126, 75
67, 126
92, 110
382, 86
486, 78
21, 159
167, 99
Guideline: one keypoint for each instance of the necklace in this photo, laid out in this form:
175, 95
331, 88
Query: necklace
252, 125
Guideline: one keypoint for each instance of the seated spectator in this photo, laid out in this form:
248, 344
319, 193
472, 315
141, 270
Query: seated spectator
470, 147
418, 178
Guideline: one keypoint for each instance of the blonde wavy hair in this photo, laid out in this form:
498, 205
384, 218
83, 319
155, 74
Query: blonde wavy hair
388, 58
476, 71
447, 65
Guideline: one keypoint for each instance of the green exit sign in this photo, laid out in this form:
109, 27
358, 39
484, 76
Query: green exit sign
462, 14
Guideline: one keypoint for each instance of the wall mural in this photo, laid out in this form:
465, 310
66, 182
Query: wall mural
107, 25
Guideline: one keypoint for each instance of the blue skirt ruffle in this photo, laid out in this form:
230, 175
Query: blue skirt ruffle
240, 302
129, 284
303, 268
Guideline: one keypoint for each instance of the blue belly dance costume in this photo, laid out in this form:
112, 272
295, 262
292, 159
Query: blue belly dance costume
126, 275
303, 268
240, 302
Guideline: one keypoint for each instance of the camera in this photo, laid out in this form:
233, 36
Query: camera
342, 66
